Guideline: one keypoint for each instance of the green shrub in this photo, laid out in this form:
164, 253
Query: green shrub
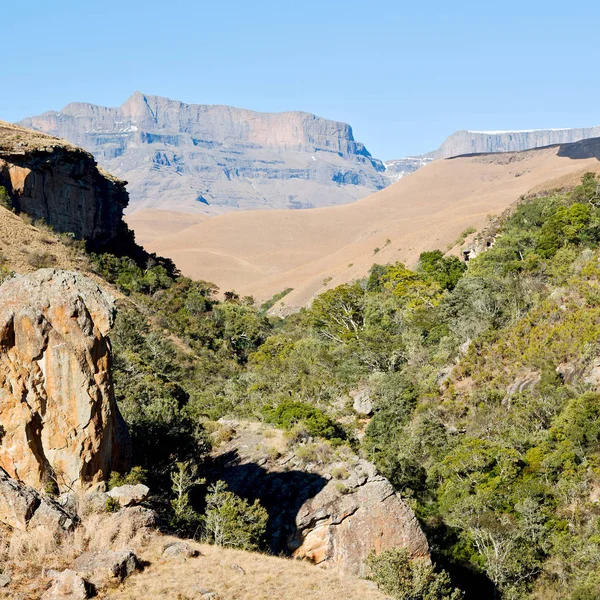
232, 521
51, 488
111, 505
405, 578
317, 424
5, 199
135, 476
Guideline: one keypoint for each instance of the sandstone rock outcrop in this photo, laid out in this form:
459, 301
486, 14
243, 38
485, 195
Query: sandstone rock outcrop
331, 508
52, 180
58, 413
348, 519
211, 159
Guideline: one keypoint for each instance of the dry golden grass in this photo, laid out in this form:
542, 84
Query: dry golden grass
15, 138
232, 574
237, 575
152, 223
26, 247
28, 555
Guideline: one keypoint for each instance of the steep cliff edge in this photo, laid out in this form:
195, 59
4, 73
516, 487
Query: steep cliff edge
58, 412
479, 142
50, 179
213, 159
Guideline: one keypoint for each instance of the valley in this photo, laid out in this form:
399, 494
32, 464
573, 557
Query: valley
261, 253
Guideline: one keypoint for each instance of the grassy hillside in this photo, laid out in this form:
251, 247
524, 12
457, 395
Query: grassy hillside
311, 251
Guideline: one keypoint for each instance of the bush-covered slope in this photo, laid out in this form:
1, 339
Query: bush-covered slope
482, 382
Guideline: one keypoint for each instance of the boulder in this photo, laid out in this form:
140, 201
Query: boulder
362, 404
134, 519
130, 495
22, 507
50, 515
592, 375
525, 381
18, 502
4, 580
67, 585
57, 407
105, 567
333, 509
179, 550
341, 526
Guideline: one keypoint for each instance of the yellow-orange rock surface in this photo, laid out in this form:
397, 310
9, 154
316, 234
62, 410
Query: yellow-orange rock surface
58, 415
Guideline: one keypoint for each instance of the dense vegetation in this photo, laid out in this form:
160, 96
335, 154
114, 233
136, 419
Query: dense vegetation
484, 412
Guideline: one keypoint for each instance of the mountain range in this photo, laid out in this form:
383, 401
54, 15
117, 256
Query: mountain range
213, 159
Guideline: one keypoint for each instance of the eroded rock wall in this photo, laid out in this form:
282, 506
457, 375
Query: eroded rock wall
51, 180
212, 159
58, 413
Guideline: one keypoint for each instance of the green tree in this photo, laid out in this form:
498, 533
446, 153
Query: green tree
184, 518
5, 199
445, 271
232, 521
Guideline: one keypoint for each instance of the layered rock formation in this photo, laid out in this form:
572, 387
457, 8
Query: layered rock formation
478, 142
333, 509
483, 142
59, 417
52, 180
213, 159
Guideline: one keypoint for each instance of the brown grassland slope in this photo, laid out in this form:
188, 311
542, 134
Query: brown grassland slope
25, 247
152, 223
238, 575
263, 252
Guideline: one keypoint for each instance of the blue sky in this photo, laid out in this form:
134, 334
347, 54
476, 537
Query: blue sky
403, 74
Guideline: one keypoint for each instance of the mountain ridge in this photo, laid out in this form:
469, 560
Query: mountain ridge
215, 158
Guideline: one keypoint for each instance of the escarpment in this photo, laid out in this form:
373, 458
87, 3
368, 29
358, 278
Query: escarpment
59, 417
52, 180
212, 159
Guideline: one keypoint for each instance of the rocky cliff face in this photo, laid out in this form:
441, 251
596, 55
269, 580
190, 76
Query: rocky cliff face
329, 507
58, 413
477, 142
217, 158
480, 142
52, 180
